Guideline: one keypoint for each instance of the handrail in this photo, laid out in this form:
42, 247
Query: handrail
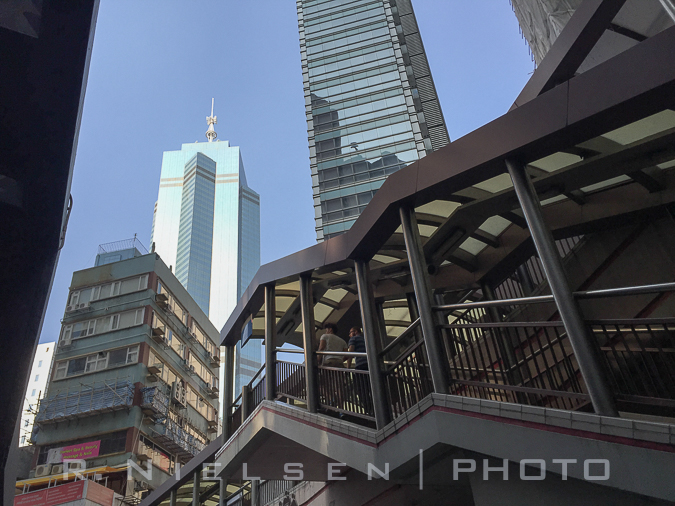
255, 376
343, 353
282, 350
588, 294
401, 336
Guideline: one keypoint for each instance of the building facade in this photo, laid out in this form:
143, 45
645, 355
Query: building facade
37, 383
134, 376
370, 102
206, 226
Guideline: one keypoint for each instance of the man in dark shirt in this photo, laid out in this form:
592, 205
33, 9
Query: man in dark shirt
358, 344
361, 381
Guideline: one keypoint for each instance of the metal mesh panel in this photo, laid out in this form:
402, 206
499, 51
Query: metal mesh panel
432, 113
414, 43
409, 25
420, 66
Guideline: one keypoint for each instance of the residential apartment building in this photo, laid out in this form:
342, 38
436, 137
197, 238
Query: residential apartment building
370, 101
37, 383
206, 226
134, 376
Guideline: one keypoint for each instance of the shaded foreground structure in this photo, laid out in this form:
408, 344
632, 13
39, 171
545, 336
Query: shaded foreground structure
44, 57
515, 290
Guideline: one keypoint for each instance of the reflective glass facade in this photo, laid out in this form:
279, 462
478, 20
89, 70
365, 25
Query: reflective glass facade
370, 101
207, 226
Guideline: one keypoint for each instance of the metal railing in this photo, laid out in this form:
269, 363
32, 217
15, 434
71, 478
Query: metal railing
291, 380
532, 362
408, 380
346, 391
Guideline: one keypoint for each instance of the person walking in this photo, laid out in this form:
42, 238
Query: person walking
361, 381
330, 341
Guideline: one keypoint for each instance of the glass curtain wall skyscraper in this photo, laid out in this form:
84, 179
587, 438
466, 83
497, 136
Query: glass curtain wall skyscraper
206, 225
370, 101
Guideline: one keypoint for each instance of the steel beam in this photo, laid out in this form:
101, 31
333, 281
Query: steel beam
228, 389
418, 271
571, 48
195, 487
373, 347
270, 342
308, 339
581, 340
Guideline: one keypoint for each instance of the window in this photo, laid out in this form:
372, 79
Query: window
61, 368
23, 439
74, 298
76, 366
132, 355
67, 334
143, 282
97, 362
37, 377
40, 363
33, 393
139, 316
115, 288
115, 323
96, 293
26, 422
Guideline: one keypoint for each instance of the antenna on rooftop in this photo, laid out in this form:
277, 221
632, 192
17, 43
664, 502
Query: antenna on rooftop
211, 120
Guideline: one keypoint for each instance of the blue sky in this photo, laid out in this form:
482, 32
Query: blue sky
157, 63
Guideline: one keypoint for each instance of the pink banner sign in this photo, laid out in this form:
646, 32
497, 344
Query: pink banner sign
81, 451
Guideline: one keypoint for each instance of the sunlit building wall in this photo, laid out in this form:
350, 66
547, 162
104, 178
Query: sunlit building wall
206, 226
370, 101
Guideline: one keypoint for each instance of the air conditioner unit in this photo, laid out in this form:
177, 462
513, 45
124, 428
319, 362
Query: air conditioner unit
192, 369
178, 394
57, 469
71, 307
74, 466
43, 470
65, 343
83, 305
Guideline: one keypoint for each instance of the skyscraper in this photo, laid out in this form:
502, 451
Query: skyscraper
206, 226
370, 101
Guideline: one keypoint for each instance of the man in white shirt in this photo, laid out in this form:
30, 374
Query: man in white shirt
331, 342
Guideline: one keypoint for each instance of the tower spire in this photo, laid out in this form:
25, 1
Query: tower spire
210, 121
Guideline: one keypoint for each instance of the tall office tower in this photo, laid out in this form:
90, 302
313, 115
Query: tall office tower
206, 226
37, 384
370, 101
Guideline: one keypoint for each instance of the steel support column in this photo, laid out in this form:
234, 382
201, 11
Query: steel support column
373, 348
172, 498
195, 487
311, 366
228, 389
418, 270
580, 338
255, 492
222, 492
270, 342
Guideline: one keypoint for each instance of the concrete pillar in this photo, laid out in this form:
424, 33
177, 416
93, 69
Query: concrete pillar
270, 342
372, 339
311, 365
585, 350
255, 492
418, 270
